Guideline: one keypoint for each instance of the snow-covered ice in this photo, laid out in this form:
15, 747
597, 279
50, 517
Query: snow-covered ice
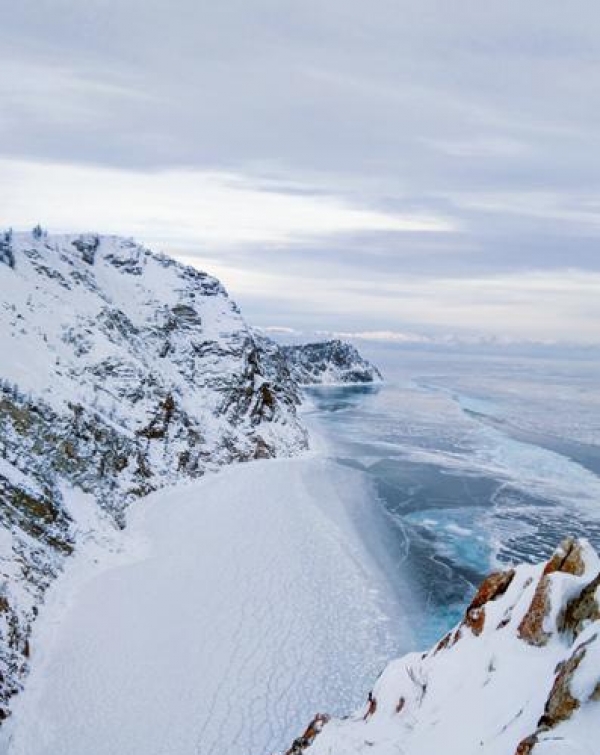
229, 612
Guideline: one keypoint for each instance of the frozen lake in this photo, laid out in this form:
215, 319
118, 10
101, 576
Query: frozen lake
476, 462
228, 613
233, 609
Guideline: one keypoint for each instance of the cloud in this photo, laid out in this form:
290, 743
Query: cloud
579, 210
192, 208
561, 305
479, 147
333, 164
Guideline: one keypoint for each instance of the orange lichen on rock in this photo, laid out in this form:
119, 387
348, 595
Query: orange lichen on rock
561, 702
443, 643
568, 559
531, 628
526, 746
311, 732
372, 706
491, 588
581, 609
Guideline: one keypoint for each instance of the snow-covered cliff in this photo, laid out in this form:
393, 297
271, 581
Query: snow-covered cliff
121, 371
329, 362
520, 675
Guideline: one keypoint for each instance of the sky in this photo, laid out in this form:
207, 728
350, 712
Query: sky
401, 169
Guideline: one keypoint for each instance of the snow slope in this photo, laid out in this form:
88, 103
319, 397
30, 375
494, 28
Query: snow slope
101, 325
121, 371
248, 602
519, 675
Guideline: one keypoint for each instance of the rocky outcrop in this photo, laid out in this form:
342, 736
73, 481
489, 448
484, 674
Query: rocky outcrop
308, 737
329, 362
491, 588
122, 371
567, 559
582, 609
519, 675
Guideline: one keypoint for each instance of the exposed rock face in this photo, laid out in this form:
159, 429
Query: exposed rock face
490, 589
311, 732
582, 609
121, 371
562, 702
524, 679
568, 559
329, 362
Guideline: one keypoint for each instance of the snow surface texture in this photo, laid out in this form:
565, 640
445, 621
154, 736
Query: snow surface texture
519, 675
121, 371
215, 622
329, 363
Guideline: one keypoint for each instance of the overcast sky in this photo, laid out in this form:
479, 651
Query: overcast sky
401, 166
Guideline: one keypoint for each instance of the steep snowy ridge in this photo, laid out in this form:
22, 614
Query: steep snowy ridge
520, 675
121, 371
329, 362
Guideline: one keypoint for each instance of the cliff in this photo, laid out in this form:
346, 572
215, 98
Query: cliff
329, 362
121, 372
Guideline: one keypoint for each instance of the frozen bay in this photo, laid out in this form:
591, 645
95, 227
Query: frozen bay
477, 461
232, 609
227, 614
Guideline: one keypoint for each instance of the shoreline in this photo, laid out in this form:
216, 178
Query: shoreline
320, 508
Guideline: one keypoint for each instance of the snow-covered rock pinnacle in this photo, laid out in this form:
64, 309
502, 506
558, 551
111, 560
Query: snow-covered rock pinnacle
121, 371
329, 362
520, 675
